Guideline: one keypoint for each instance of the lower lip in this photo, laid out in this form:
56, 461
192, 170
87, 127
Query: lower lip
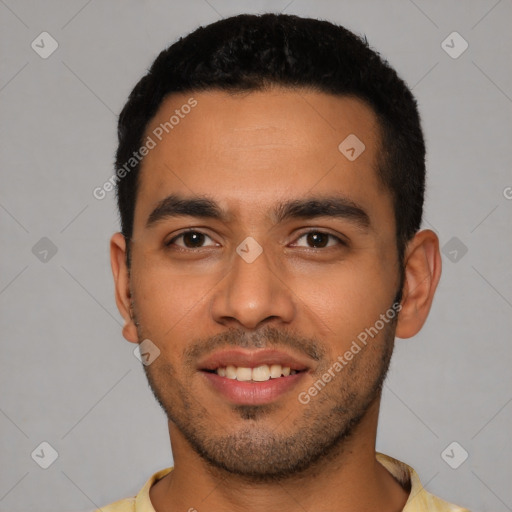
250, 392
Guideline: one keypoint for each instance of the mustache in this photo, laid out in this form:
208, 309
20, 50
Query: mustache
268, 337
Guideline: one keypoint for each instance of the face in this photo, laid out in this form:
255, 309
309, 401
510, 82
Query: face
259, 249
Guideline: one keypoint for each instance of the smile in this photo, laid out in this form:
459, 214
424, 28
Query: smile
261, 373
257, 377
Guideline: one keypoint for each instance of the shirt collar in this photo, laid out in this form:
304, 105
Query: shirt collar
419, 499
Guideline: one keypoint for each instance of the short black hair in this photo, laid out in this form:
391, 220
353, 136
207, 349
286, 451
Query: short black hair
255, 52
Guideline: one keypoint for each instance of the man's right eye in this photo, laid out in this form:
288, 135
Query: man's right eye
190, 239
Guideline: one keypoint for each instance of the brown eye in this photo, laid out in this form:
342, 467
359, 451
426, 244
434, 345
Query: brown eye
190, 240
193, 239
319, 240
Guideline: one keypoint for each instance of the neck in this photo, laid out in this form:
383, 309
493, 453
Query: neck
349, 478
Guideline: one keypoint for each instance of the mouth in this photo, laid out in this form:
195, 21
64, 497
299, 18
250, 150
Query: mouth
252, 378
261, 373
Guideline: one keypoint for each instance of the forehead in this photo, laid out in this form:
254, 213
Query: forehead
250, 149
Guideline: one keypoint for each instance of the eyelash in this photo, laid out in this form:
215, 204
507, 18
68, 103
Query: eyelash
340, 241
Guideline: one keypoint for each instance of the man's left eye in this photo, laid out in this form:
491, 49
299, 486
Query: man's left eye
319, 240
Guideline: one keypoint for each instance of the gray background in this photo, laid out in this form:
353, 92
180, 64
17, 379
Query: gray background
68, 377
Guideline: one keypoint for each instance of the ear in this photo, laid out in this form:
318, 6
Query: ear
422, 272
121, 275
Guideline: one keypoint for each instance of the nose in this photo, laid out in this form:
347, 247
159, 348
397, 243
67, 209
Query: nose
253, 294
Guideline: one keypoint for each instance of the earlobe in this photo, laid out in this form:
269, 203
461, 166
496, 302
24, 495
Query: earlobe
422, 273
121, 276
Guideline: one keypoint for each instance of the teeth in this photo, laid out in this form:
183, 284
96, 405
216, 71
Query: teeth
243, 374
230, 372
259, 374
275, 371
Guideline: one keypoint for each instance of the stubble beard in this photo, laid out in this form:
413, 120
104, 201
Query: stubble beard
257, 452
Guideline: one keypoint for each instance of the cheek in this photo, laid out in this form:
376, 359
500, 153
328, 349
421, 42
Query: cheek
344, 300
165, 301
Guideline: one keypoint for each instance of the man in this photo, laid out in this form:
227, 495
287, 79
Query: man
270, 179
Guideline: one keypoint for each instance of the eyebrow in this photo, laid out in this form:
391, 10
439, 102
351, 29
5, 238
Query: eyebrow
305, 208
177, 206
332, 206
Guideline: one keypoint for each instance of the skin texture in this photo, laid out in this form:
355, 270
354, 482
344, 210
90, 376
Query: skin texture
249, 152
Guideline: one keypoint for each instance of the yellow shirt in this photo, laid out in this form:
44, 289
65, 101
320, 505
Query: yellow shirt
419, 499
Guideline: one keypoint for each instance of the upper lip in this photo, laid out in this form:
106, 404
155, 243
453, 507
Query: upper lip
251, 359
